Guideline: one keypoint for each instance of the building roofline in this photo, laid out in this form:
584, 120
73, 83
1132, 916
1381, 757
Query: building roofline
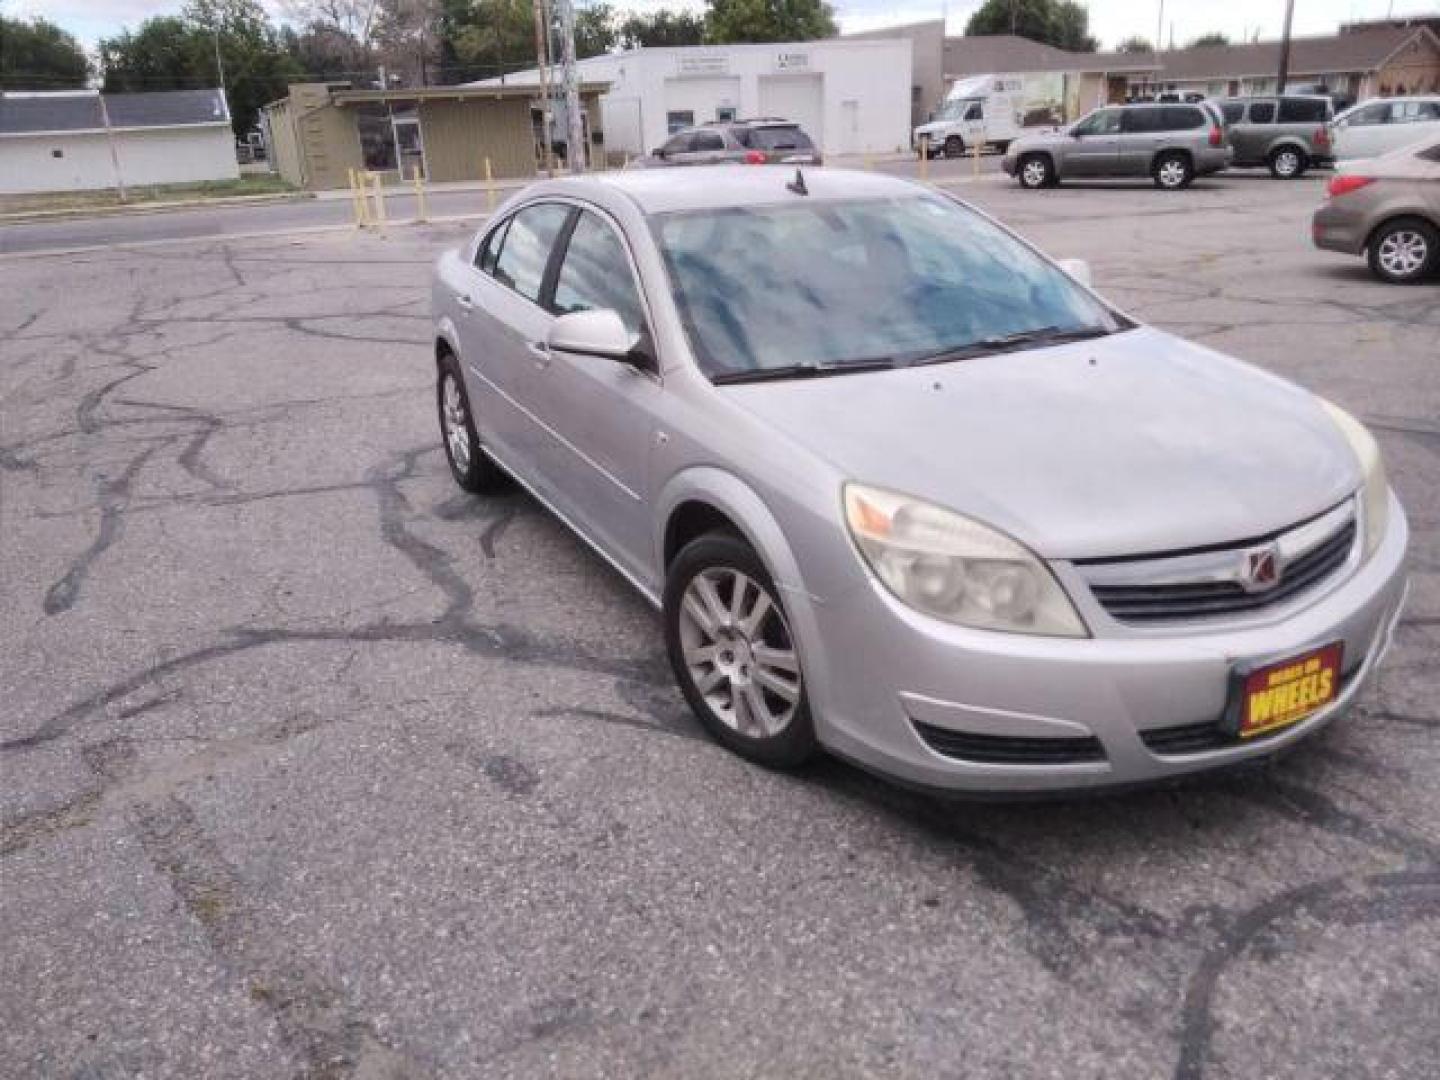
447, 93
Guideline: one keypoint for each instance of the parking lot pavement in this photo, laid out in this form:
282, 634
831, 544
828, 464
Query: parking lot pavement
312, 765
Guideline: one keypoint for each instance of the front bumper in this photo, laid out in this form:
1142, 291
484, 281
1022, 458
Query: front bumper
1334, 228
887, 673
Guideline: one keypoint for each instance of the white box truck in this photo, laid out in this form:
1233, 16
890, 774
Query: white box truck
991, 110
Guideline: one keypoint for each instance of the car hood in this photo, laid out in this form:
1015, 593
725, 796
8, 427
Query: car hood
934, 127
1129, 444
1038, 141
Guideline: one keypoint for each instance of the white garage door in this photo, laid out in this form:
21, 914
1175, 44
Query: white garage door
796, 97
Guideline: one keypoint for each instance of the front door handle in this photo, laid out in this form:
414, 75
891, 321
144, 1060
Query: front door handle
463, 299
540, 352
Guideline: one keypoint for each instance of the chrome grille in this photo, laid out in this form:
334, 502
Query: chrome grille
1213, 583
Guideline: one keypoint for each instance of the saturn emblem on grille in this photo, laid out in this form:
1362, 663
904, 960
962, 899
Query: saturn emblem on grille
1260, 568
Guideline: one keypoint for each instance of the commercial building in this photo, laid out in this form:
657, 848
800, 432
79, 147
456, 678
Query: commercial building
81, 140
320, 131
851, 95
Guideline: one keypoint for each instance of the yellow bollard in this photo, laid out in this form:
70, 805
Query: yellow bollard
975, 157
489, 187
924, 159
379, 220
865, 162
357, 206
420, 212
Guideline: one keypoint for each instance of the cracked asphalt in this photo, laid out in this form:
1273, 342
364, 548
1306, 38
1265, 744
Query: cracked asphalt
313, 766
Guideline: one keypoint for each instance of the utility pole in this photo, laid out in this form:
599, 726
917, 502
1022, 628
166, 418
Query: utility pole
570, 80
1160, 28
542, 59
219, 61
1285, 48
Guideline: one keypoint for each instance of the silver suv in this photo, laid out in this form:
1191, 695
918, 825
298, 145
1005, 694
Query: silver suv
1289, 134
763, 141
1171, 143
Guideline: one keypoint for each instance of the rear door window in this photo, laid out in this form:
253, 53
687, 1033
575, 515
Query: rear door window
1262, 112
1304, 111
1141, 121
525, 252
1182, 119
1234, 111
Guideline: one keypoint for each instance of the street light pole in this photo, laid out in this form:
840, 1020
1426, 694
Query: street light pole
1285, 48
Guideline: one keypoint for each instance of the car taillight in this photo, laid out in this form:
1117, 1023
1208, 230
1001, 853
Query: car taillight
1344, 185
1322, 137
1217, 137
754, 157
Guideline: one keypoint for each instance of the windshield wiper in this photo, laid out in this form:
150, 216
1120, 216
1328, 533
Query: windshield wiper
800, 371
1043, 335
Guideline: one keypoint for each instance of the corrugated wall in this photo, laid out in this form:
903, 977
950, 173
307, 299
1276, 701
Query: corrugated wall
283, 147
460, 135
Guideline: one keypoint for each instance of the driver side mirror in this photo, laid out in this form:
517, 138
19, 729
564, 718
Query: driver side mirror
593, 333
1077, 270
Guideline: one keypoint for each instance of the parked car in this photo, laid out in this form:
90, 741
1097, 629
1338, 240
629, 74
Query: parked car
904, 488
1380, 125
1172, 144
1388, 209
764, 141
1288, 134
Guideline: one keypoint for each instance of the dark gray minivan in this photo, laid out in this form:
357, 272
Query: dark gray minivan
1287, 134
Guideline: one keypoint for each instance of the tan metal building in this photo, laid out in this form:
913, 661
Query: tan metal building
320, 131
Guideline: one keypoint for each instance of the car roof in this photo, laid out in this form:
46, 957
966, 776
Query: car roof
660, 191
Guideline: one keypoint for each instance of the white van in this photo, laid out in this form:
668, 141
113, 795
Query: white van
985, 110
1380, 125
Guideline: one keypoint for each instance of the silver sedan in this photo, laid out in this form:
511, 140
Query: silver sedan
906, 490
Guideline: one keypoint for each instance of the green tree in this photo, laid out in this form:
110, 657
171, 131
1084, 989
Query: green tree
1209, 39
38, 55
1136, 44
1064, 24
768, 20
661, 28
482, 38
596, 31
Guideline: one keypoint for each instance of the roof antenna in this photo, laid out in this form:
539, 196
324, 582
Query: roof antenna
798, 184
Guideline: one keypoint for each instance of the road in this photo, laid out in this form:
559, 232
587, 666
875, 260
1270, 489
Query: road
312, 765
218, 222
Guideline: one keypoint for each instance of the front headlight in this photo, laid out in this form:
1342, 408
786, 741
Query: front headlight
954, 568
1375, 489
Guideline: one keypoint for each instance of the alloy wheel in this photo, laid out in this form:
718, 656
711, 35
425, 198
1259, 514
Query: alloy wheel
1034, 173
457, 433
739, 653
1287, 163
1172, 173
1403, 253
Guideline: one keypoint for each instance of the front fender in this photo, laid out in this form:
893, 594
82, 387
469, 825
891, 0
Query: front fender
446, 332
739, 502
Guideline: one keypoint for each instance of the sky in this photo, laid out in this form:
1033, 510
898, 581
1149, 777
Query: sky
1110, 20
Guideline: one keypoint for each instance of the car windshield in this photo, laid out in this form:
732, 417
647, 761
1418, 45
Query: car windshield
779, 138
952, 110
821, 285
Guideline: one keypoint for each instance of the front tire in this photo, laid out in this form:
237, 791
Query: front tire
1173, 172
1035, 171
1404, 251
1288, 163
954, 146
732, 652
472, 470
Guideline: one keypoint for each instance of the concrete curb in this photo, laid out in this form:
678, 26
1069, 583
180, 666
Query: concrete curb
66, 213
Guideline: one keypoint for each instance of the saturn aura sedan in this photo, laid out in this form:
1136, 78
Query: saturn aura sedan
906, 490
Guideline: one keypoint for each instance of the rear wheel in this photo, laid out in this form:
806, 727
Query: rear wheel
954, 146
1035, 171
733, 654
1173, 171
1404, 251
1288, 162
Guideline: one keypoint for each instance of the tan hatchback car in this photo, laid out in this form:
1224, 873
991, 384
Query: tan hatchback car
1387, 208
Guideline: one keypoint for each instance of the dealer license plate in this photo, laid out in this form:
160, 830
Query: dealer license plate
1280, 694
